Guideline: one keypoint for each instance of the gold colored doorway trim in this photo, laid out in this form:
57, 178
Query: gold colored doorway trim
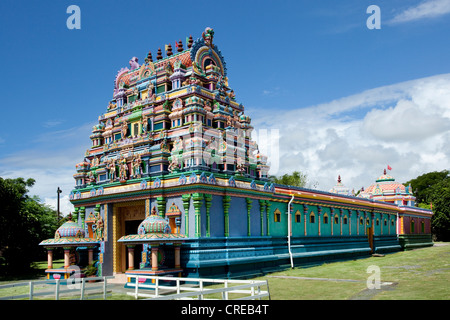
120, 215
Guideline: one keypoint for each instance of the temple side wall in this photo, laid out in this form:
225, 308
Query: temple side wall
257, 229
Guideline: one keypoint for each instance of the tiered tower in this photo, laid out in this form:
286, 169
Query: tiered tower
175, 114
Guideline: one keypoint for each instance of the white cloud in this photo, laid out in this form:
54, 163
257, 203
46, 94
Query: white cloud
424, 10
51, 164
52, 123
405, 125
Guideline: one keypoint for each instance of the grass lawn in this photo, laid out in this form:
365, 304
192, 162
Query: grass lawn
422, 274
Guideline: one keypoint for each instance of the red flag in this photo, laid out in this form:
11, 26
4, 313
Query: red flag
389, 167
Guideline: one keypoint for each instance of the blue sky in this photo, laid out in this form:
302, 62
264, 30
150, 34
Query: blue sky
344, 99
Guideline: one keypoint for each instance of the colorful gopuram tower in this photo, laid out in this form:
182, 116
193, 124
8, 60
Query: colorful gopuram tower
179, 185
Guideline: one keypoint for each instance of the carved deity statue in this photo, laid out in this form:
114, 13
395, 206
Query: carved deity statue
99, 228
208, 36
173, 166
111, 166
123, 169
136, 166
124, 129
134, 63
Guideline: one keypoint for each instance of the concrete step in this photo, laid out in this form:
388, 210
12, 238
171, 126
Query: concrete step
119, 278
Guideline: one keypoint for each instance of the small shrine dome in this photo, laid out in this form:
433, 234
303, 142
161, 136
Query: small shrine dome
339, 188
69, 229
385, 184
154, 224
387, 189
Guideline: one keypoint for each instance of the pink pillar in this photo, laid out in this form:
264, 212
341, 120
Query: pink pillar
177, 256
155, 258
131, 258
66, 258
50, 258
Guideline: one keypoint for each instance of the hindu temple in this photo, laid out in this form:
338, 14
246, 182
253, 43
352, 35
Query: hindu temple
174, 183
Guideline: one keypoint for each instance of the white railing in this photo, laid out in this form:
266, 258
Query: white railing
73, 286
194, 288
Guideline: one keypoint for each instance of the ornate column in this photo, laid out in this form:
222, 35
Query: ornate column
268, 204
365, 222
249, 207
147, 208
66, 257
341, 217
319, 212
197, 200
226, 207
130, 257
332, 219
262, 208
208, 199
381, 222
186, 202
161, 203
155, 256
349, 222
357, 222
49, 258
75, 215
82, 214
177, 248
305, 216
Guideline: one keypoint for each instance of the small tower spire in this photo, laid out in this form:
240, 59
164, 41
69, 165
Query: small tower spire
180, 46
149, 57
169, 50
159, 54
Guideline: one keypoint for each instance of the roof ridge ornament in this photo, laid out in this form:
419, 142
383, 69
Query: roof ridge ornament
208, 36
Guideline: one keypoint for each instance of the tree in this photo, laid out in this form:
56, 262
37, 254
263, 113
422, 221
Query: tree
422, 185
440, 200
24, 222
296, 179
432, 190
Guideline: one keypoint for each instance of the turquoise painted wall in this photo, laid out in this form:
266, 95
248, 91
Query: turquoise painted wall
278, 228
255, 219
238, 217
217, 218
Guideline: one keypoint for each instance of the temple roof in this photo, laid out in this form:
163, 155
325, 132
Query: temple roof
154, 224
386, 185
153, 228
69, 233
339, 188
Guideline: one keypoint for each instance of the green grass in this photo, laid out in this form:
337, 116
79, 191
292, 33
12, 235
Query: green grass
422, 274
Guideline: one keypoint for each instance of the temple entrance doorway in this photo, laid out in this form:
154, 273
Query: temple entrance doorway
126, 219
